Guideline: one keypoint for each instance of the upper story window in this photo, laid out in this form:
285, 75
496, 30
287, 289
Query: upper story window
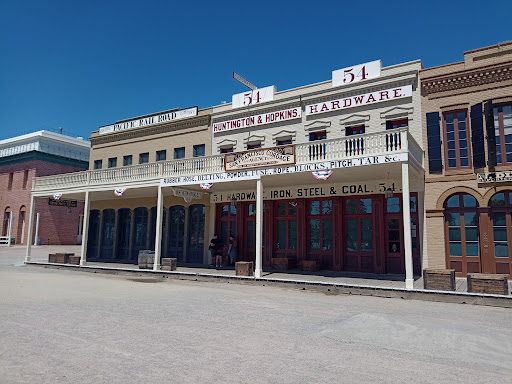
199, 150
112, 162
320, 135
456, 148
144, 158
98, 164
503, 132
226, 149
161, 155
254, 145
284, 141
399, 123
25, 179
127, 160
355, 130
179, 153
11, 178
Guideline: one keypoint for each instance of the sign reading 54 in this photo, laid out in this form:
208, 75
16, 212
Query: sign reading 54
356, 73
256, 96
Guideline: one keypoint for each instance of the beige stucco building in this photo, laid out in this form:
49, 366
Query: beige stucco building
467, 115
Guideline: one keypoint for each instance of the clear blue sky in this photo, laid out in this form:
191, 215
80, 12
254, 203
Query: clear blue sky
84, 64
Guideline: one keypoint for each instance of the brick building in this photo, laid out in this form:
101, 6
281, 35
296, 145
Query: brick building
467, 115
38, 154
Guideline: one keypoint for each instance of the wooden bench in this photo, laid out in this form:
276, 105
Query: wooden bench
280, 263
169, 264
310, 265
487, 283
244, 268
439, 279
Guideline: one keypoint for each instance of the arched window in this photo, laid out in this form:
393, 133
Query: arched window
462, 234
501, 221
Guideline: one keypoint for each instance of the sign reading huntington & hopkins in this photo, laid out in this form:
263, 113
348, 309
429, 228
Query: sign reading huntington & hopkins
253, 174
257, 158
149, 120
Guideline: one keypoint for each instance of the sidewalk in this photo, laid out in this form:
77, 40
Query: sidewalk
392, 281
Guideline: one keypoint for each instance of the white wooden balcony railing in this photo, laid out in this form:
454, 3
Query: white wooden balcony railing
370, 144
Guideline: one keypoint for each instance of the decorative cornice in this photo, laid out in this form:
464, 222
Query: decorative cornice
468, 78
151, 131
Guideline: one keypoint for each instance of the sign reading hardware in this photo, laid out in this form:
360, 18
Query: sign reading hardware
356, 73
253, 121
62, 203
356, 101
255, 96
253, 174
257, 158
494, 177
150, 120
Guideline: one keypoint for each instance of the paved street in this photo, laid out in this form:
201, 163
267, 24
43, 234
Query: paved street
59, 326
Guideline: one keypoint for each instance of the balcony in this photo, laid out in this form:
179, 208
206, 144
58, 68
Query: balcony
351, 147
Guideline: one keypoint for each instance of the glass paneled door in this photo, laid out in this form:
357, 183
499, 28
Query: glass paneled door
228, 213
285, 230
359, 235
320, 232
195, 251
176, 232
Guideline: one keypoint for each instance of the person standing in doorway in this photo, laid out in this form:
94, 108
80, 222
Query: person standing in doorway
213, 249
232, 249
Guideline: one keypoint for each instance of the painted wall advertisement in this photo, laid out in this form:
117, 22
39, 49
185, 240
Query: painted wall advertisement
257, 158
253, 174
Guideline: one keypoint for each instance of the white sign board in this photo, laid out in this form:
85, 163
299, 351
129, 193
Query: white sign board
257, 158
361, 100
494, 177
256, 96
252, 174
186, 194
253, 121
356, 73
151, 120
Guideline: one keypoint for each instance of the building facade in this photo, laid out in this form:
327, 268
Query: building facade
467, 112
39, 154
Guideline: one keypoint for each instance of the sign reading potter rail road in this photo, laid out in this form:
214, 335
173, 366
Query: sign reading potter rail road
257, 158
494, 177
360, 100
150, 120
62, 203
253, 121
253, 174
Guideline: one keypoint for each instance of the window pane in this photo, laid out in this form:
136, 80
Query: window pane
471, 219
326, 207
327, 234
469, 201
292, 234
314, 234
498, 200
393, 205
351, 206
366, 224
225, 210
500, 250
352, 224
455, 249
454, 234
365, 206
314, 208
393, 224
453, 219
453, 201
412, 204
281, 209
500, 234
472, 249
232, 210
281, 234
352, 244
252, 209
292, 208
471, 234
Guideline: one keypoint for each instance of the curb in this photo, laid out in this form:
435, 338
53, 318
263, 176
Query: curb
305, 285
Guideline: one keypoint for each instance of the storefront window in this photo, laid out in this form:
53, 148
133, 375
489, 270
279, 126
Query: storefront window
499, 224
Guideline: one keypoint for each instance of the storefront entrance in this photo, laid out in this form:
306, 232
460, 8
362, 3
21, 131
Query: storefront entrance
356, 233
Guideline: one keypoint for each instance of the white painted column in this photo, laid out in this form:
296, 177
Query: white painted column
30, 226
259, 228
158, 234
406, 211
85, 229
11, 216
37, 228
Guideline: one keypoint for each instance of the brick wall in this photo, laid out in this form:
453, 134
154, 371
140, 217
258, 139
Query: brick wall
55, 223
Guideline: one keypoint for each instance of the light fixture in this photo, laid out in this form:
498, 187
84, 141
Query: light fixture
69, 209
389, 192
